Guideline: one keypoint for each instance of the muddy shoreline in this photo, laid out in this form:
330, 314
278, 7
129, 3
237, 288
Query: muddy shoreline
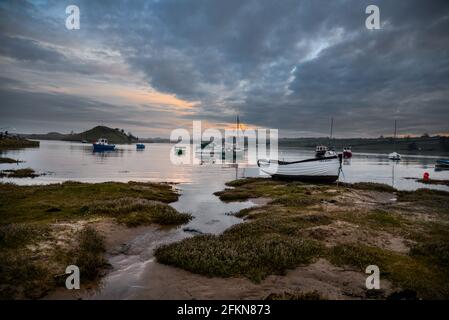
334, 217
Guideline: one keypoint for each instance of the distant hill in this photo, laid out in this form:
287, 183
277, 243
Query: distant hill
46, 136
155, 140
113, 135
425, 145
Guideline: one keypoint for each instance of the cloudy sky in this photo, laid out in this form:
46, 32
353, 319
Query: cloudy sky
152, 66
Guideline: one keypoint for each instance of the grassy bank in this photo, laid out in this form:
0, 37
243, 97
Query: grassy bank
142, 202
434, 181
17, 143
8, 160
351, 226
18, 173
43, 229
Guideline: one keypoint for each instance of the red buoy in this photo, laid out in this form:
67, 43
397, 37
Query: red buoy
426, 176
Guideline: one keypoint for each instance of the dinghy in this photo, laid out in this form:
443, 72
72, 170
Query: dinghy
321, 170
394, 156
140, 146
347, 153
442, 163
103, 145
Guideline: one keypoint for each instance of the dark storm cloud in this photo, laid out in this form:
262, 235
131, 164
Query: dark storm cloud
285, 64
67, 111
28, 50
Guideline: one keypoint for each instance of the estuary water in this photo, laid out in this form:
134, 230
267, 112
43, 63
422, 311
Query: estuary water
60, 161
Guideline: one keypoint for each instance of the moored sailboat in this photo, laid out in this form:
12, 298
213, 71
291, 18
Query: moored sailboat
394, 155
347, 153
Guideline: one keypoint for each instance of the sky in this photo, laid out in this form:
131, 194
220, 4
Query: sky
150, 67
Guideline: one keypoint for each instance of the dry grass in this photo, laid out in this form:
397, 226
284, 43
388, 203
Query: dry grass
283, 235
19, 173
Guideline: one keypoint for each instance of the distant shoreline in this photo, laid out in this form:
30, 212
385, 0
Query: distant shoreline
431, 146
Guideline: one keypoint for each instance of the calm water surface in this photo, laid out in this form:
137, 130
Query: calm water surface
61, 161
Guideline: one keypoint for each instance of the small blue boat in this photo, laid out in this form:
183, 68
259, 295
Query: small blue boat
140, 146
443, 163
103, 145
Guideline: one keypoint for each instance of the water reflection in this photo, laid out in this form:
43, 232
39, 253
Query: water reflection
76, 161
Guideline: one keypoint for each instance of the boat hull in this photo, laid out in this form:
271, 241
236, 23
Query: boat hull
443, 163
311, 179
102, 147
324, 170
394, 156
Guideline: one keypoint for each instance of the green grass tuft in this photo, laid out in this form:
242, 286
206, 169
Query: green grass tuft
8, 160
312, 295
137, 211
384, 218
74, 200
19, 173
402, 270
266, 245
380, 187
88, 256
436, 200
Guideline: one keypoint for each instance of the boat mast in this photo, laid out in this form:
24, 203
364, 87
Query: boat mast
238, 124
332, 126
238, 127
394, 139
332, 131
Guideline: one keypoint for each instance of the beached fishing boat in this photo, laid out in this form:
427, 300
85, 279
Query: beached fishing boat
442, 163
103, 145
140, 146
322, 170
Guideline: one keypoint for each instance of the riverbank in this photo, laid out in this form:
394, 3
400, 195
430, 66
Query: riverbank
43, 229
302, 242
7, 143
309, 236
8, 160
19, 173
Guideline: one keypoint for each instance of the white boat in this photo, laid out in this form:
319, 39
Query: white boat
320, 151
394, 156
325, 169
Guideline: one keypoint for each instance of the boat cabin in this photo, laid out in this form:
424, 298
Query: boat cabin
102, 141
320, 151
